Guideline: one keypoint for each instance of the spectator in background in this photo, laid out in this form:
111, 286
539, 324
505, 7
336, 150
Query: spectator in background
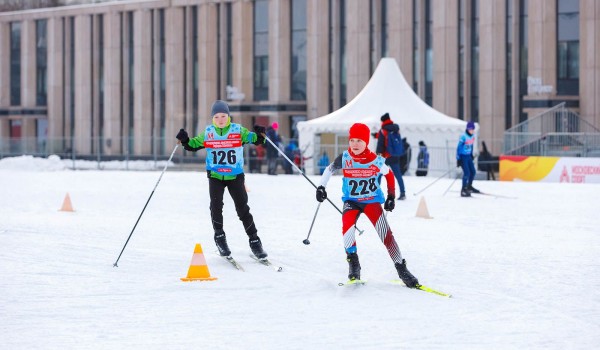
406, 157
389, 146
272, 152
323, 162
422, 159
486, 162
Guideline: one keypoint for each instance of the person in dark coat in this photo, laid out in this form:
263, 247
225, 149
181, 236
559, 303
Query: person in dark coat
392, 161
422, 160
486, 161
272, 152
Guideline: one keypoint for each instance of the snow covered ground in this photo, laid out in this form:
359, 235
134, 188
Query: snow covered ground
524, 271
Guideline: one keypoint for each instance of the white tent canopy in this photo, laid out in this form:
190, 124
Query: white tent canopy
386, 92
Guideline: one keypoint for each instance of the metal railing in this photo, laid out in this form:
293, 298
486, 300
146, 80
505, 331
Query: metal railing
555, 132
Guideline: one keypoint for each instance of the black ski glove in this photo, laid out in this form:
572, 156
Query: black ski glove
182, 136
390, 203
260, 132
321, 194
458, 163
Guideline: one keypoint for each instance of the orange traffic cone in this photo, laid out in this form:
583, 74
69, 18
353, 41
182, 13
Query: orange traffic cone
67, 204
198, 269
422, 211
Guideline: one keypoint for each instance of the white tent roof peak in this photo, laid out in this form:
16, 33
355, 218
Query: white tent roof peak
386, 92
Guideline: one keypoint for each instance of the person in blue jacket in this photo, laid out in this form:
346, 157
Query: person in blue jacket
464, 159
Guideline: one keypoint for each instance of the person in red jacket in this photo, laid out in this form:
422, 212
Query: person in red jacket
361, 188
383, 149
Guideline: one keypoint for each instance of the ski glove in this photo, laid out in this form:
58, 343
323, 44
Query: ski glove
458, 163
321, 194
390, 203
260, 132
182, 136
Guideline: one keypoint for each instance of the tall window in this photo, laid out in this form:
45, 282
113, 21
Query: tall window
415, 40
384, 29
261, 50
162, 77
298, 46
15, 63
428, 52
101, 82
41, 62
523, 55
131, 82
343, 63
568, 47
195, 82
509, 55
461, 59
474, 61
372, 35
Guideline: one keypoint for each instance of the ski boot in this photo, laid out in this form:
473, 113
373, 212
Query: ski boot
402, 196
257, 249
405, 275
473, 189
221, 242
465, 192
354, 265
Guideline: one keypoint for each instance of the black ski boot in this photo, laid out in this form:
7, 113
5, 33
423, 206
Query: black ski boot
402, 196
221, 242
473, 189
354, 265
465, 192
257, 248
405, 275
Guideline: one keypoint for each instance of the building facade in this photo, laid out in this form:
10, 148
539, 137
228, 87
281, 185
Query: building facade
123, 77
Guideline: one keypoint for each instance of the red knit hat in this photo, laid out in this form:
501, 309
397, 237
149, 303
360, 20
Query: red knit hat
360, 131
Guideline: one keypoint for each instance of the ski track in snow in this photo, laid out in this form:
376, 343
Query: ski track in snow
523, 272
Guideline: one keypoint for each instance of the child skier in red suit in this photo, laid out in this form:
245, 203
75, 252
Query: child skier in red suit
362, 171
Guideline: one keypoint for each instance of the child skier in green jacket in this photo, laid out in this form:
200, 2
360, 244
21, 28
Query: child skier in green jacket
223, 141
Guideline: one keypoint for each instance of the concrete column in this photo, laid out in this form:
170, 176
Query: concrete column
142, 109
589, 64
207, 61
357, 47
279, 51
492, 73
317, 80
542, 41
400, 35
113, 85
28, 86
4, 81
55, 82
83, 85
242, 46
445, 56
95, 86
174, 72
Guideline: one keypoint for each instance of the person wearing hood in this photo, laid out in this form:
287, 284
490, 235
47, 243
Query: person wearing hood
464, 159
223, 141
391, 147
361, 187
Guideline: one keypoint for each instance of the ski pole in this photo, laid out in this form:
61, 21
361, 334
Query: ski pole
436, 180
306, 241
148, 201
302, 172
453, 181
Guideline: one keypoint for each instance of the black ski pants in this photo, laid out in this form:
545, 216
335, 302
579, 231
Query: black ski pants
237, 190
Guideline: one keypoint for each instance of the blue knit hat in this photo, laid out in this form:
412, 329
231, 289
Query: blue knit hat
219, 107
470, 126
